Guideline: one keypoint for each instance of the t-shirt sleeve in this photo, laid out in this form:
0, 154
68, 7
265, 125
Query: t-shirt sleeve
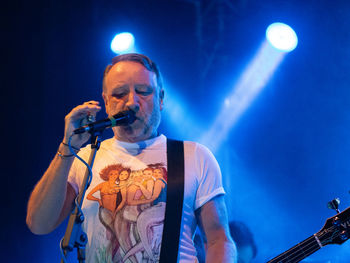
77, 171
72, 178
209, 176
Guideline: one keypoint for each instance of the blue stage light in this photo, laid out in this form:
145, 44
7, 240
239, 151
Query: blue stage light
177, 112
282, 37
254, 78
123, 43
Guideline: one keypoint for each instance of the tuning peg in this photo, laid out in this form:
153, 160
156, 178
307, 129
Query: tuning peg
334, 204
344, 235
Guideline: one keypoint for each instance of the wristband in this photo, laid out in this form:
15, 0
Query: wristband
66, 144
62, 156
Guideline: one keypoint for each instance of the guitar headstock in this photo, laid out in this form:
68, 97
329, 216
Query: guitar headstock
336, 230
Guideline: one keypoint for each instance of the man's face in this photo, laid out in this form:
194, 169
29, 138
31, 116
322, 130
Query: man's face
130, 86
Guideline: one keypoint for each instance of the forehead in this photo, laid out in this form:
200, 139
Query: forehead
129, 72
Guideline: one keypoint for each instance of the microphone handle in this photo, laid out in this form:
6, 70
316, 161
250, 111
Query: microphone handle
99, 125
121, 118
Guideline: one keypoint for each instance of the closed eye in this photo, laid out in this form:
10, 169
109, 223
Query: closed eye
120, 92
119, 95
144, 90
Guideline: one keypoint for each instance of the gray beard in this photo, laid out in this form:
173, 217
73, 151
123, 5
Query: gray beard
129, 133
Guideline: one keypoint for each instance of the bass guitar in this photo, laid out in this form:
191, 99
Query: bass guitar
336, 230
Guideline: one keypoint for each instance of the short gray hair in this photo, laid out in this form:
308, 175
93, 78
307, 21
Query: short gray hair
138, 58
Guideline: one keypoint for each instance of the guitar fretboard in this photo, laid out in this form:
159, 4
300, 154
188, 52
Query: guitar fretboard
299, 251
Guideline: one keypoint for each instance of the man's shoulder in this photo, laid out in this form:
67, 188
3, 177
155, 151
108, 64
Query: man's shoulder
197, 150
196, 146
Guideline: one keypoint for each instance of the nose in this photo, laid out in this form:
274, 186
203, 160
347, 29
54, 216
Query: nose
133, 101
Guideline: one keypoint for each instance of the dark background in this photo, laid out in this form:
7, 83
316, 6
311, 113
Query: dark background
285, 158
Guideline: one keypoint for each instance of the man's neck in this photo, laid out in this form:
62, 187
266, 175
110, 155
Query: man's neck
135, 139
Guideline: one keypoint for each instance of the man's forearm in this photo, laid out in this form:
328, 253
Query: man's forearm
47, 199
52, 199
221, 252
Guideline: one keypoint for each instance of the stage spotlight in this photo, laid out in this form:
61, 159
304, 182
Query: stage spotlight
123, 43
177, 112
282, 37
252, 81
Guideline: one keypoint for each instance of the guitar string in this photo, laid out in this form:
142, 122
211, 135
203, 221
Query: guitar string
294, 250
309, 251
312, 249
301, 253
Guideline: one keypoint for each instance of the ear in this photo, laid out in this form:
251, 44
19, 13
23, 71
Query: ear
161, 99
105, 99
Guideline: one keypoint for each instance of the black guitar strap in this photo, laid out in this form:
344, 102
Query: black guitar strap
174, 203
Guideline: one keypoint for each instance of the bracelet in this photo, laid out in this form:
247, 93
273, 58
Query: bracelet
66, 144
64, 155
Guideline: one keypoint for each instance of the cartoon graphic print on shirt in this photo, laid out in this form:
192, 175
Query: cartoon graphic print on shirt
131, 208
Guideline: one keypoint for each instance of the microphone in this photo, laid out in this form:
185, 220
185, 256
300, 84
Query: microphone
120, 119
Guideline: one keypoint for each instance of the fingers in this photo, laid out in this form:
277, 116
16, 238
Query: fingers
76, 119
92, 115
91, 102
82, 111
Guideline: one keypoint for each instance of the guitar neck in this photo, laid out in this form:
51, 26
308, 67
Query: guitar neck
299, 251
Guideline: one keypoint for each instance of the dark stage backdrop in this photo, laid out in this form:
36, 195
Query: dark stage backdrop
287, 156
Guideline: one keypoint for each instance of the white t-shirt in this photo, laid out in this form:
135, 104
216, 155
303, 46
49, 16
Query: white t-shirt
124, 206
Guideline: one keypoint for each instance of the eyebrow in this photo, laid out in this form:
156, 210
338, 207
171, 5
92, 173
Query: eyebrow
120, 85
126, 86
144, 85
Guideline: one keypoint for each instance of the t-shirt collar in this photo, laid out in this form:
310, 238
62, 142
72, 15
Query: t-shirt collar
137, 147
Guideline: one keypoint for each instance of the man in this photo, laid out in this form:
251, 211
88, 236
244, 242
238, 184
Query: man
133, 233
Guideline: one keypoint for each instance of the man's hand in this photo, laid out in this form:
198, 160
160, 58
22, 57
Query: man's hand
53, 198
77, 118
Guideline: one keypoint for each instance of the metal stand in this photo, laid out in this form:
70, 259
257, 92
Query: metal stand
75, 236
